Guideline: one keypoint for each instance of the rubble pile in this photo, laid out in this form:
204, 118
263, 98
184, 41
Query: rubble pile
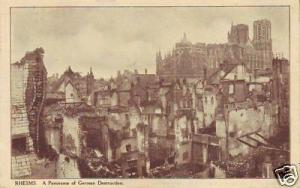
93, 164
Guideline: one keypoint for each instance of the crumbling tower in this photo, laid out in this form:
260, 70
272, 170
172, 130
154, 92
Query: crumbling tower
28, 86
34, 96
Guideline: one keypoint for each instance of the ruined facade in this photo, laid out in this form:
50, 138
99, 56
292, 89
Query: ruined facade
71, 86
137, 124
28, 86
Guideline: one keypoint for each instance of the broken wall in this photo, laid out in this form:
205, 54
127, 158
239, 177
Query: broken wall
71, 137
209, 102
184, 153
34, 96
71, 94
244, 119
19, 119
20, 163
129, 141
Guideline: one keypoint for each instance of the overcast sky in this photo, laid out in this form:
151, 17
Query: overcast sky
111, 39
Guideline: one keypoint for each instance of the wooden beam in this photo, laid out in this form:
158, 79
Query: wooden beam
261, 137
244, 142
249, 136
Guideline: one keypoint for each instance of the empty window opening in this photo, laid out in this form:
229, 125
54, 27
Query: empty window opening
128, 147
19, 146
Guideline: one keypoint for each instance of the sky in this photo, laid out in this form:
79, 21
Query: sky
109, 39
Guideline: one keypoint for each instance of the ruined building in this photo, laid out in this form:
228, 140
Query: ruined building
28, 83
189, 60
280, 93
71, 86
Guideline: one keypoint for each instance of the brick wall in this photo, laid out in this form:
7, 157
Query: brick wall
20, 166
19, 120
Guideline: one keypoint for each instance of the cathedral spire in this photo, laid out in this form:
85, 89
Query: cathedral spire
158, 57
184, 39
91, 71
69, 70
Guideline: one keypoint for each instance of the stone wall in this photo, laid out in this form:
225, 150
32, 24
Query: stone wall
19, 119
34, 96
184, 153
71, 139
20, 164
132, 141
71, 94
209, 107
241, 121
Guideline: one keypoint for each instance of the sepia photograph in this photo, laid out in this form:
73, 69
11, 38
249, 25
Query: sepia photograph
154, 92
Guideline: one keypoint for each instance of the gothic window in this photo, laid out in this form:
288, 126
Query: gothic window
185, 155
232, 134
19, 146
231, 89
212, 100
138, 99
114, 153
143, 144
190, 102
128, 147
181, 104
58, 118
134, 132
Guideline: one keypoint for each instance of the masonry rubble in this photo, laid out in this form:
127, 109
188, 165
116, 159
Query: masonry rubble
140, 122
137, 124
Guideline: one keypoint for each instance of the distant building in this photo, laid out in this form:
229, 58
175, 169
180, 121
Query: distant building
262, 42
199, 60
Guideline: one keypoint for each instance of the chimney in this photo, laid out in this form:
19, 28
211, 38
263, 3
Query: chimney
184, 39
145, 71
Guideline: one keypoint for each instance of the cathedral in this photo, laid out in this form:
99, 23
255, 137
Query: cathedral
198, 60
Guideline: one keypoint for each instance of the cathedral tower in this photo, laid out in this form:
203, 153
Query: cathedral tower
239, 34
262, 42
90, 81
